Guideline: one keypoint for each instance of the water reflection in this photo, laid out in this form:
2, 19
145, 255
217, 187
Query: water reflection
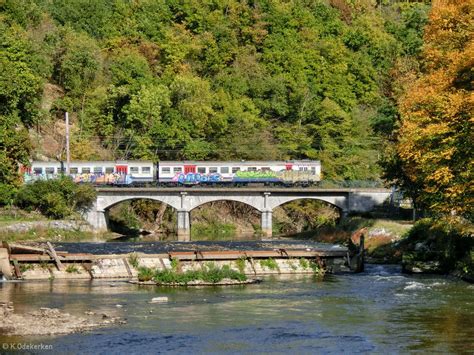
377, 311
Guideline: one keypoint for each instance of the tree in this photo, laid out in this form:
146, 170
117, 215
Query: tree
437, 113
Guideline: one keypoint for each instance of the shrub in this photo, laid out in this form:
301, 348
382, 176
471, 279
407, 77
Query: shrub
446, 240
209, 273
269, 264
133, 260
72, 269
304, 263
145, 274
240, 262
7, 193
56, 198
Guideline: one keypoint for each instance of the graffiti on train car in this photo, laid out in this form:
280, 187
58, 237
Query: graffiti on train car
196, 178
106, 179
110, 178
284, 176
259, 174
298, 176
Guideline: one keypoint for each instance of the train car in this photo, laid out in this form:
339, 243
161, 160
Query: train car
296, 172
95, 172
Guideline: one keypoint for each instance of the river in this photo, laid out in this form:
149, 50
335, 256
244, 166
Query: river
379, 310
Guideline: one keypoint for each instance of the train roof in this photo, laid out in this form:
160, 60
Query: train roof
240, 162
118, 162
183, 162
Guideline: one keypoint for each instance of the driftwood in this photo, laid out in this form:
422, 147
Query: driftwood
53, 254
23, 249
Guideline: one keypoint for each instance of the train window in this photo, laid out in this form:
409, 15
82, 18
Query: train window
86, 170
235, 169
109, 170
212, 170
303, 168
146, 169
224, 170
49, 170
134, 170
73, 170
201, 169
177, 170
38, 171
251, 168
265, 168
165, 170
97, 170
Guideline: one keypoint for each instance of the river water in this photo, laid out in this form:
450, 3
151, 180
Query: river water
379, 311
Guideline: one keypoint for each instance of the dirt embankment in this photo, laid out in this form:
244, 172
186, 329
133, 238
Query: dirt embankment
50, 321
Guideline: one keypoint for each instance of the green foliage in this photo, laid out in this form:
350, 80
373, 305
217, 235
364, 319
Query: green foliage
72, 269
240, 262
56, 198
15, 148
209, 273
145, 274
210, 230
206, 80
25, 267
79, 63
270, 264
304, 215
133, 260
448, 241
317, 269
175, 264
7, 194
304, 263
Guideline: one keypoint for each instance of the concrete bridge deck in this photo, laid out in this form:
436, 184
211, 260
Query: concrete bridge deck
263, 199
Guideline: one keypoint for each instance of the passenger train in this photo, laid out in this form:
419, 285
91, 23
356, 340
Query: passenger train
175, 173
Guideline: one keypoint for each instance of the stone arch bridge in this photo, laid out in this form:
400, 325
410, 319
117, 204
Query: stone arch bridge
263, 199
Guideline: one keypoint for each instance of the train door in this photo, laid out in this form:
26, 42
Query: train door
189, 169
121, 169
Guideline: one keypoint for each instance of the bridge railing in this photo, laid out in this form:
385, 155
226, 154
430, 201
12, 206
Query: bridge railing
352, 183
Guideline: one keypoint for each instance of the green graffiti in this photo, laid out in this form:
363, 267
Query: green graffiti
255, 174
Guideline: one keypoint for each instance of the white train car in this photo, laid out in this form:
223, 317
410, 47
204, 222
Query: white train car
195, 172
107, 172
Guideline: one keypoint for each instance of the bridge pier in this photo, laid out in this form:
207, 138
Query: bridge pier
267, 229
97, 219
184, 226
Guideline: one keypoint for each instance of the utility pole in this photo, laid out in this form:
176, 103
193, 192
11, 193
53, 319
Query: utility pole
68, 155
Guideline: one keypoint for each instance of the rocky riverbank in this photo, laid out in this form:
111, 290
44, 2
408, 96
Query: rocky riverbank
68, 225
50, 321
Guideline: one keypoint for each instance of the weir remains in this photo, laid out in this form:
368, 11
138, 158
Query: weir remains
265, 200
45, 261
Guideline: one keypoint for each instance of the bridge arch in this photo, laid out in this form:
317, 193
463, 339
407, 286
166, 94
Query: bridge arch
105, 203
339, 202
194, 202
158, 212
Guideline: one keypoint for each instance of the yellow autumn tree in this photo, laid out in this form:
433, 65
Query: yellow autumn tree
435, 144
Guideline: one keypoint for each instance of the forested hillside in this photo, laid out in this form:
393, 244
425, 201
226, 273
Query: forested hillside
170, 79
